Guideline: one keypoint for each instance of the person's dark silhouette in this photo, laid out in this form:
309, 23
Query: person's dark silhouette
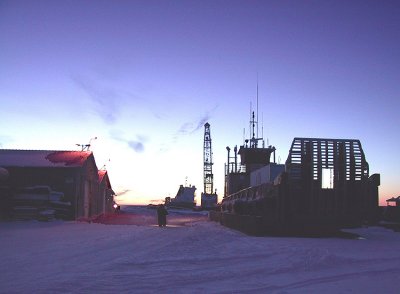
162, 215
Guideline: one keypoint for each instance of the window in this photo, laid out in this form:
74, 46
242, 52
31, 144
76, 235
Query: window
327, 178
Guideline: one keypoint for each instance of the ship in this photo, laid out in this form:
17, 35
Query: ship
323, 186
185, 198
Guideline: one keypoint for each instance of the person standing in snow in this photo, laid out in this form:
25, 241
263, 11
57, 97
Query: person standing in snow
162, 215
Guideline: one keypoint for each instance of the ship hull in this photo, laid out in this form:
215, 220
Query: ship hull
286, 208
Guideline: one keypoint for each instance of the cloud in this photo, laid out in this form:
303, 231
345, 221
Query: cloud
185, 128
160, 116
122, 192
104, 98
157, 201
189, 128
136, 145
192, 127
164, 147
201, 122
116, 135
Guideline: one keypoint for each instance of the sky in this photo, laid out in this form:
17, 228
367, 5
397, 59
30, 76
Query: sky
144, 76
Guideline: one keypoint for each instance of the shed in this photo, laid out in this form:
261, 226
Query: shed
107, 191
71, 174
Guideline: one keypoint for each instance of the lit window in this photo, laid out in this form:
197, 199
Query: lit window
327, 178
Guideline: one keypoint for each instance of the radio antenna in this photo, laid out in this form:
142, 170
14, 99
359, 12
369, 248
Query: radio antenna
250, 119
257, 105
262, 127
86, 147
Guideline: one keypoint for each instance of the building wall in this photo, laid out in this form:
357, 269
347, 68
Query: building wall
106, 201
58, 179
109, 201
102, 198
87, 205
266, 174
80, 186
236, 182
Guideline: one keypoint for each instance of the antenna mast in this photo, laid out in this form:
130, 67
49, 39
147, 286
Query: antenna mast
262, 128
250, 122
86, 147
257, 105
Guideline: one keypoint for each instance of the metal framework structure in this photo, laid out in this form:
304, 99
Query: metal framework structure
330, 177
207, 157
345, 158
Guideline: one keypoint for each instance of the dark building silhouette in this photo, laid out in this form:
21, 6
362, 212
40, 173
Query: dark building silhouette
63, 184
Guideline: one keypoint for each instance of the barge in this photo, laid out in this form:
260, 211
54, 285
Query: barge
323, 186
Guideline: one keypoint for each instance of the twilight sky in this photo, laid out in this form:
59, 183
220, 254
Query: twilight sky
144, 76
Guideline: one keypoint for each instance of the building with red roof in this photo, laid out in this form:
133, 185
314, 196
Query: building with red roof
44, 183
106, 189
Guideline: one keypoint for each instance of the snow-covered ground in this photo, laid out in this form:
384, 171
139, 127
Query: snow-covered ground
191, 256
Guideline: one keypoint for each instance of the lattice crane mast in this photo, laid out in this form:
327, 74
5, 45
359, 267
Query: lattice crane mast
209, 198
207, 157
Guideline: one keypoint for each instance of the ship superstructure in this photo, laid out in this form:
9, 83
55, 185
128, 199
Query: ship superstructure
324, 185
185, 198
252, 157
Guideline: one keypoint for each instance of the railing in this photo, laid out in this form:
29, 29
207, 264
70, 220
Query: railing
231, 168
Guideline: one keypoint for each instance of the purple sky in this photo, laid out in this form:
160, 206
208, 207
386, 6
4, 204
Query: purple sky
144, 76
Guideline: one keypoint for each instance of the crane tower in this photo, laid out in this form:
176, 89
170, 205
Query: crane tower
207, 157
208, 197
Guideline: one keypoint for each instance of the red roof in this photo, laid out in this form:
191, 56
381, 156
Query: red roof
42, 158
102, 173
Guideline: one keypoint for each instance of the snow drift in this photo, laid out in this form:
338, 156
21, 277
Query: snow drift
195, 256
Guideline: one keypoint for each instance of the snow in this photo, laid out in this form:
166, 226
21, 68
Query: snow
190, 255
